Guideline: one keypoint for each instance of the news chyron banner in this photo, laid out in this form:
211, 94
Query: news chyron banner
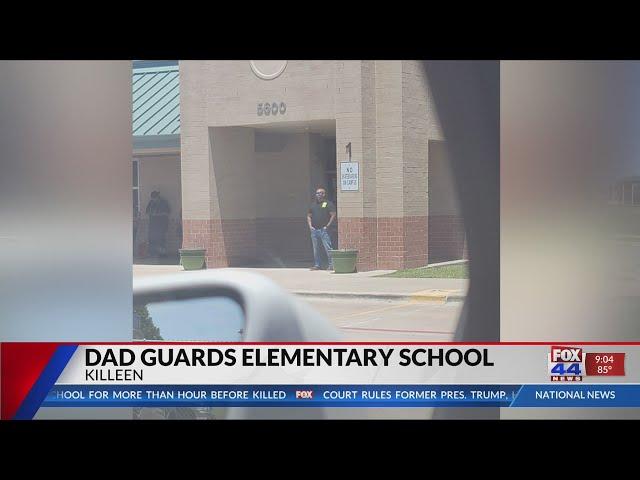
64, 375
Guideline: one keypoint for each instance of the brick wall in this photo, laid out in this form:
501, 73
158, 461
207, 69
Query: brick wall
387, 243
250, 242
446, 238
382, 243
200, 234
229, 91
283, 239
229, 243
402, 242
360, 234
240, 241
415, 238
390, 243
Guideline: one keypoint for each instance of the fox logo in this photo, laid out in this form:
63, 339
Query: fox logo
566, 354
304, 394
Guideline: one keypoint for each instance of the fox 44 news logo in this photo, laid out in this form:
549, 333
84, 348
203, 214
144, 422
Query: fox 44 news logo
566, 364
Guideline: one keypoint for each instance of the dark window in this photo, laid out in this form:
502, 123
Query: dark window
135, 173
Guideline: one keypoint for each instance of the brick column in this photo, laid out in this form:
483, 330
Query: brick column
218, 181
204, 234
355, 112
405, 123
400, 169
384, 110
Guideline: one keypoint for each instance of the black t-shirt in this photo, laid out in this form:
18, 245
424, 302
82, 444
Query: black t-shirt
321, 213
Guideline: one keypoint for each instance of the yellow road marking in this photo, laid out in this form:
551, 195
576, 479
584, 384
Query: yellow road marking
424, 296
432, 295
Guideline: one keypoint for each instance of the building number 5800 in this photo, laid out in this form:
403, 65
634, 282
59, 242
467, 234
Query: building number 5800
271, 108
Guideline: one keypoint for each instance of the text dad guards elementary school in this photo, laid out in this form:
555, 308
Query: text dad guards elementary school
271, 357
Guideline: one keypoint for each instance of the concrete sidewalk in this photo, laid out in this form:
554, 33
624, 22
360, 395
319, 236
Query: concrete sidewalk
365, 285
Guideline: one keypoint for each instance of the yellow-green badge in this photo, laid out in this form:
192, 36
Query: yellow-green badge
324, 204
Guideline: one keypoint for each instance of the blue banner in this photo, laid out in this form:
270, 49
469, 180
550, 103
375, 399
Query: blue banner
583, 395
344, 396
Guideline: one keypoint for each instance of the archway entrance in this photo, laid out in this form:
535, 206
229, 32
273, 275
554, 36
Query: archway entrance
265, 178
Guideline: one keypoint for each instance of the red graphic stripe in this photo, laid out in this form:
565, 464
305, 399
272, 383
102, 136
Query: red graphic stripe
21, 364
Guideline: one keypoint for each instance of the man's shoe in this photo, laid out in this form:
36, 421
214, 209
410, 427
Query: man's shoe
314, 268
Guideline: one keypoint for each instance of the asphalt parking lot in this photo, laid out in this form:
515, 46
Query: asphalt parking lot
390, 321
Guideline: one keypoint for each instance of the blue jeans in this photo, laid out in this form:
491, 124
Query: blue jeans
321, 234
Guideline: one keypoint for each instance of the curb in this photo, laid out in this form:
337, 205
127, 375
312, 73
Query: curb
425, 296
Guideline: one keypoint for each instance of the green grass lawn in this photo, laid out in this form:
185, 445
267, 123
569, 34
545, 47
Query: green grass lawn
460, 270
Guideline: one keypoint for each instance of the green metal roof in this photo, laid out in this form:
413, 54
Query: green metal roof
156, 100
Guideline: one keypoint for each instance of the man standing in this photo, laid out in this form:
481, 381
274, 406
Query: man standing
320, 216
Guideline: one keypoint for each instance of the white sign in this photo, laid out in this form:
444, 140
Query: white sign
349, 176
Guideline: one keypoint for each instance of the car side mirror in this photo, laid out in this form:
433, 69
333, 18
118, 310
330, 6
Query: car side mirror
229, 306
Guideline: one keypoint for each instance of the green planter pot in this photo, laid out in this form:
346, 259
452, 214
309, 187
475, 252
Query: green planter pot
344, 261
192, 259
